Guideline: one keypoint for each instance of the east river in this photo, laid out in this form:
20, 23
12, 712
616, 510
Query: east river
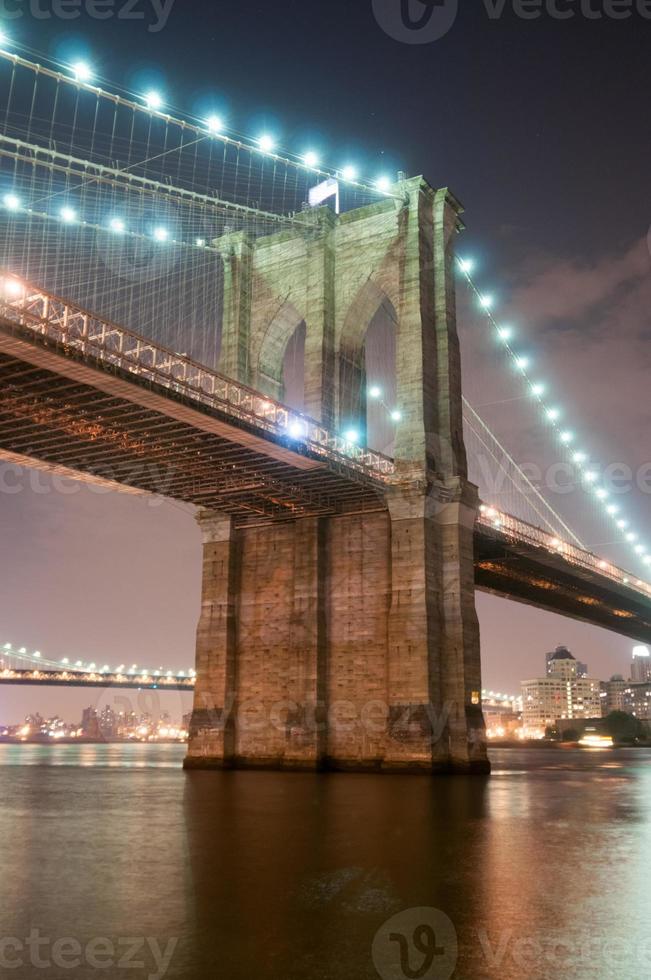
116, 863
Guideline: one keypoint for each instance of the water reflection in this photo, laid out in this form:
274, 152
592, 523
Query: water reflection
541, 868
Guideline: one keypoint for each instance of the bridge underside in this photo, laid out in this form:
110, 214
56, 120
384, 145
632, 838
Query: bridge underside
63, 412
74, 415
540, 578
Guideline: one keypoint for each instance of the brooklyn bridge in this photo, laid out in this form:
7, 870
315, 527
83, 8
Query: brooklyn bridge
191, 315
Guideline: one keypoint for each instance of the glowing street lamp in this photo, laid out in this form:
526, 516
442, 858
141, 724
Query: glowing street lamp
214, 124
82, 71
267, 143
153, 100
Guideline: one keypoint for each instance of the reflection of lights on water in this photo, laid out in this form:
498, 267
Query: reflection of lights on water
592, 740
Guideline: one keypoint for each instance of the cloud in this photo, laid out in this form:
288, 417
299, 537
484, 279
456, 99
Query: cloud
569, 289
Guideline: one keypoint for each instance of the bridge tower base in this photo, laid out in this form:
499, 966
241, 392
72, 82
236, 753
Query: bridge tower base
346, 642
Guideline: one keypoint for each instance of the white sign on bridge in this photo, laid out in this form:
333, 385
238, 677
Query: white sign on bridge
324, 190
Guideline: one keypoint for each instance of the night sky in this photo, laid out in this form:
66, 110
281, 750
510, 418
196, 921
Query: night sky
541, 128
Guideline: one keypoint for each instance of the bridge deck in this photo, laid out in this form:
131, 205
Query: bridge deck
83, 396
75, 411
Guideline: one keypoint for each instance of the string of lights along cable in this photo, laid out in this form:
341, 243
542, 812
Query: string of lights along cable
554, 416
116, 200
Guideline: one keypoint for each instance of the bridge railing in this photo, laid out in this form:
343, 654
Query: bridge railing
517, 530
65, 323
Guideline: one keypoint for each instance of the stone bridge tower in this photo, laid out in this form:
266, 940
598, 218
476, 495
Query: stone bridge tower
349, 641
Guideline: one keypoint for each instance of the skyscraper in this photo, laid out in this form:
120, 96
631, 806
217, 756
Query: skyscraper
641, 665
564, 693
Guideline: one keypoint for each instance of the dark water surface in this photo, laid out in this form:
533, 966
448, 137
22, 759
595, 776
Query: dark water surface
543, 870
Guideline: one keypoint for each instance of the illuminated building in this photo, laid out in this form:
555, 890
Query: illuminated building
637, 700
641, 665
563, 693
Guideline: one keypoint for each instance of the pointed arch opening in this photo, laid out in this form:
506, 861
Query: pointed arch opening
280, 366
367, 377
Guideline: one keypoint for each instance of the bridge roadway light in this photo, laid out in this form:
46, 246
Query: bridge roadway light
396, 415
567, 437
297, 430
11, 202
200, 242
522, 363
117, 225
349, 172
68, 215
311, 159
12, 287
538, 390
351, 435
553, 414
82, 71
486, 302
375, 391
383, 184
466, 265
161, 234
